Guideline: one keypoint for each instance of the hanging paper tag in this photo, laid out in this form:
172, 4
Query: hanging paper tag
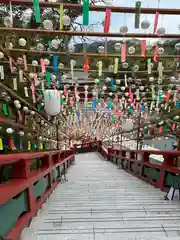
61, 16
59, 81
116, 64
143, 48
21, 77
72, 68
43, 66
2, 72
100, 68
156, 21
85, 12
137, 13
48, 78
20, 116
26, 92
25, 62
1, 144
123, 52
107, 20
86, 65
55, 63
37, 11
15, 84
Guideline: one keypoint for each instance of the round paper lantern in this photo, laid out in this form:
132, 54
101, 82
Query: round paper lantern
177, 46
66, 20
46, 61
86, 87
127, 125
101, 49
161, 31
61, 65
52, 102
8, 21
104, 87
123, 88
131, 50
1, 55
108, 79
125, 65
145, 24
34, 63
22, 42
136, 68
47, 24
117, 47
40, 47
123, 29
55, 43
31, 75
9, 45
118, 81
160, 51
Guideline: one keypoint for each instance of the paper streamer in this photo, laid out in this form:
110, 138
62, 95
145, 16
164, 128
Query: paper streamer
15, 84
25, 62
37, 11
5, 109
86, 65
11, 64
107, 20
48, 78
137, 13
33, 93
155, 58
123, 52
61, 12
59, 81
116, 65
1, 144
43, 66
2, 72
143, 48
55, 63
156, 22
26, 92
72, 68
86, 12
100, 68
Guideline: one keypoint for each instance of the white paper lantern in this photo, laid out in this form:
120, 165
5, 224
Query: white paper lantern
104, 87
40, 47
9, 130
55, 43
61, 65
131, 50
86, 87
117, 47
161, 31
34, 63
1, 55
125, 65
31, 75
8, 21
46, 61
101, 49
52, 102
127, 125
123, 88
22, 42
47, 24
118, 81
108, 79
145, 24
110, 94
177, 46
9, 45
123, 29
66, 20
160, 51
111, 68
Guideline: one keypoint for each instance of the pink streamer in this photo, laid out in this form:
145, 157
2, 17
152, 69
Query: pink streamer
155, 54
43, 66
25, 62
156, 22
123, 52
35, 79
11, 64
143, 48
20, 116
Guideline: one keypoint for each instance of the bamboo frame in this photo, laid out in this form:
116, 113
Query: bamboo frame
95, 8
81, 54
55, 33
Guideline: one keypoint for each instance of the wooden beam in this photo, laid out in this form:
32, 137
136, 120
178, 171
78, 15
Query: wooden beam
94, 8
55, 33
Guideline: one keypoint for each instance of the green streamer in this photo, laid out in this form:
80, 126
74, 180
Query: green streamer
48, 78
61, 101
113, 118
5, 110
37, 12
85, 12
39, 107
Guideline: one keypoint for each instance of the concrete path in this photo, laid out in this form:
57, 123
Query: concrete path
101, 202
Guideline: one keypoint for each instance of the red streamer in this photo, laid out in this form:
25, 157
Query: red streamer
156, 54
123, 52
107, 20
143, 48
86, 65
156, 22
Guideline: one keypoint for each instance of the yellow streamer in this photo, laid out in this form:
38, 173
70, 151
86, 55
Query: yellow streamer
116, 64
61, 16
29, 145
100, 68
1, 144
41, 146
153, 145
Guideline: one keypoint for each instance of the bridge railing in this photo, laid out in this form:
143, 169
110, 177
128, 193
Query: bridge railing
143, 164
26, 180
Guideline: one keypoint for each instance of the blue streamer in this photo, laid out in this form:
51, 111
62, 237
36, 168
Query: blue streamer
143, 107
79, 115
178, 104
55, 63
59, 81
94, 104
112, 83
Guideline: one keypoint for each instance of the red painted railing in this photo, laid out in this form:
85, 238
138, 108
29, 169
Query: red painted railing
24, 179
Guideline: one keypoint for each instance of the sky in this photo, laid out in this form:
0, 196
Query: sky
170, 22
